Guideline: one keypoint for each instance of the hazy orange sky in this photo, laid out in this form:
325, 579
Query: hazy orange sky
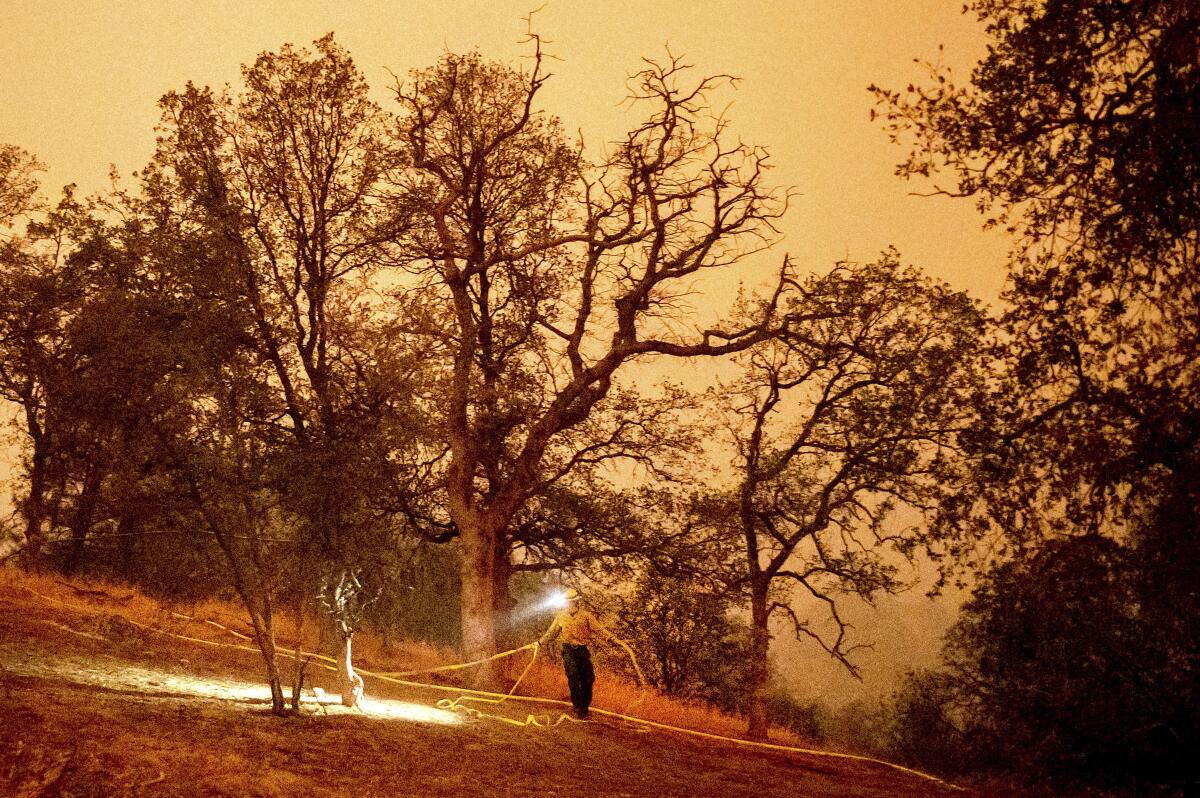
80, 81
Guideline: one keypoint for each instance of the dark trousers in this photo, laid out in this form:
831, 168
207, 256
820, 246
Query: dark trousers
577, 662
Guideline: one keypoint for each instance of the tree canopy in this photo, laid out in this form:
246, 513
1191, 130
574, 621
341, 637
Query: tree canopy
1080, 132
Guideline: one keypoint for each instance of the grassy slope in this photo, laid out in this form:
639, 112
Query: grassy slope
98, 707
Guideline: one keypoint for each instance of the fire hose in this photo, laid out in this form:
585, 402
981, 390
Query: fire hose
493, 698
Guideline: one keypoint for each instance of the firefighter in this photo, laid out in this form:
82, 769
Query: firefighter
578, 628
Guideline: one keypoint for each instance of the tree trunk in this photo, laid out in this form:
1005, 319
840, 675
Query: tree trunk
502, 599
301, 663
759, 643
351, 682
34, 506
478, 572
264, 636
81, 520
247, 580
127, 540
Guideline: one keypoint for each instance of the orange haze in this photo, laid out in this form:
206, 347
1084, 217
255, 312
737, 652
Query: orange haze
80, 80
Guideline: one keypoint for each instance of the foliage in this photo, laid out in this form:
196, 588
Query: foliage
418, 593
1062, 670
809, 719
929, 725
288, 174
1079, 131
1079, 121
685, 639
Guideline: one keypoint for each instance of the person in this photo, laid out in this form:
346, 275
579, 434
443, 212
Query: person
578, 627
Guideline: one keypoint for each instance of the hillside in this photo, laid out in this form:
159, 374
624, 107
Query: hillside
98, 706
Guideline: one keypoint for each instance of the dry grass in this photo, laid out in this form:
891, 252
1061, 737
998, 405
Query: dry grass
545, 679
119, 710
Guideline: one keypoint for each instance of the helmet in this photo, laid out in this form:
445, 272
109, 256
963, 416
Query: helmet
571, 594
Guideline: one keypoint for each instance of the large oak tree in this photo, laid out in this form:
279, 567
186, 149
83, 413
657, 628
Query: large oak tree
538, 275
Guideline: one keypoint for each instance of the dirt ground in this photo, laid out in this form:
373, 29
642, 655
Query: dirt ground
94, 706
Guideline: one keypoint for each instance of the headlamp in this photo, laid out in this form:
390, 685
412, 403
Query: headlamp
557, 600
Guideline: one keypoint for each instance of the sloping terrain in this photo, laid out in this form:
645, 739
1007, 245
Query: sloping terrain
97, 706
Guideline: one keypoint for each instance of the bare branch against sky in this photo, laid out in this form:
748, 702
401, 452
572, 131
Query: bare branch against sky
80, 84
80, 81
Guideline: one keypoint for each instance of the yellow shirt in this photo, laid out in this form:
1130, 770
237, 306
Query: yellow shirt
578, 628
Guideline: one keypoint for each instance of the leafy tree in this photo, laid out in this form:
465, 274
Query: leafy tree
284, 185
1048, 641
809, 719
221, 469
931, 723
198, 391
849, 415
87, 341
417, 589
116, 347
35, 298
136, 385
1058, 672
537, 276
71, 312
32, 300
1080, 133
223, 311
688, 644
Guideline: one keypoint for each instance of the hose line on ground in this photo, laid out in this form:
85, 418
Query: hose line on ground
487, 697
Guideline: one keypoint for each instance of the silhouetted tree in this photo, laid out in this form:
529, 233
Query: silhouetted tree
849, 415
1079, 132
34, 300
538, 276
71, 313
1059, 672
284, 184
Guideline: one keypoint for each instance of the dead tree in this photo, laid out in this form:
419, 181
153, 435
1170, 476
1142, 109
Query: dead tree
343, 597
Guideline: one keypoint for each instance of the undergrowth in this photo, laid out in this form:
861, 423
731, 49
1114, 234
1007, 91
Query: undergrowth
372, 651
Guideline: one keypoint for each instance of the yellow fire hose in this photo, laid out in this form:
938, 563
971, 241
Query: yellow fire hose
483, 696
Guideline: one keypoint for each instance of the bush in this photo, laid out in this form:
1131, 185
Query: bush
1059, 672
685, 641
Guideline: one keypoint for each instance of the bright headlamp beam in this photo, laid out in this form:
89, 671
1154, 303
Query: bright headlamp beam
556, 600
